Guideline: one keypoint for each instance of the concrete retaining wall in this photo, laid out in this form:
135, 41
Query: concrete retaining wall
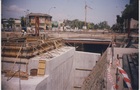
94, 80
121, 51
60, 72
83, 63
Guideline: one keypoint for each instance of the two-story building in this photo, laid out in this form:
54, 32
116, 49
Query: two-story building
44, 20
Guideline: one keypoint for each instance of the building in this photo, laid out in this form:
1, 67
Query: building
134, 24
4, 23
11, 24
44, 20
17, 24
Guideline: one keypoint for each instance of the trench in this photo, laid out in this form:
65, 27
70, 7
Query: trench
93, 48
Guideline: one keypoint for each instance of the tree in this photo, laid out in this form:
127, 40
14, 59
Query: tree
115, 27
103, 25
3, 21
90, 25
80, 24
11, 22
96, 26
131, 11
120, 21
74, 23
23, 21
55, 24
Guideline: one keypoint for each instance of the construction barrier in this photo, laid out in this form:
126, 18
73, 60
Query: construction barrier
122, 72
109, 76
124, 75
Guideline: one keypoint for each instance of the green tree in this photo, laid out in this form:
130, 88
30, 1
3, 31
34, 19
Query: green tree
115, 27
23, 21
3, 21
120, 21
103, 25
78, 23
11, 22
96, 26
91, 26
131, 11
55, 24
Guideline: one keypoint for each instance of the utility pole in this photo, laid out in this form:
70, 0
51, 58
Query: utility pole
85, 14
26, 12
36, 25
86, 6
50, 26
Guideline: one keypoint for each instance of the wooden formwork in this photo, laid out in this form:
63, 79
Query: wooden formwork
25, 49
22, 75
30, 47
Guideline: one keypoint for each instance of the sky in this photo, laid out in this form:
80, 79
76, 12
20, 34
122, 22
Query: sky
99, 11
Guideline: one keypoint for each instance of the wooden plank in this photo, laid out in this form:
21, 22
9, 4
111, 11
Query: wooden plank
87, 42
13, 60
22, 75
77, 87
41, 72
83, 69
41, 67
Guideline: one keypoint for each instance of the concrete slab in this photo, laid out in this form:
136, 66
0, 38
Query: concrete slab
17, 84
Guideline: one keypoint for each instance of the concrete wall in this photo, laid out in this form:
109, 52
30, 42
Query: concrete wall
98, 79
56, 76
120, 52
94, 81
84, 61
60, 72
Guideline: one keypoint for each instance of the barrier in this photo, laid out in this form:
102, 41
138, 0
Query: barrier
124, 75
109, 76
122, 72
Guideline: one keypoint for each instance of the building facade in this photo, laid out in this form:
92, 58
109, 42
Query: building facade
44, 20
134, 24
17, 24
11, 24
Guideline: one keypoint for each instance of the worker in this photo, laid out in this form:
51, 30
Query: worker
23, 33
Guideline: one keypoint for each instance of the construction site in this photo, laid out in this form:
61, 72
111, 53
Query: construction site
75, 55
61, 61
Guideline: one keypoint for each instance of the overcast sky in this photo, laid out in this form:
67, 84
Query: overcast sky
102, 10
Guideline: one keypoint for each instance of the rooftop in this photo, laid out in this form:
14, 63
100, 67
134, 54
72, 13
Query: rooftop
39, 14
